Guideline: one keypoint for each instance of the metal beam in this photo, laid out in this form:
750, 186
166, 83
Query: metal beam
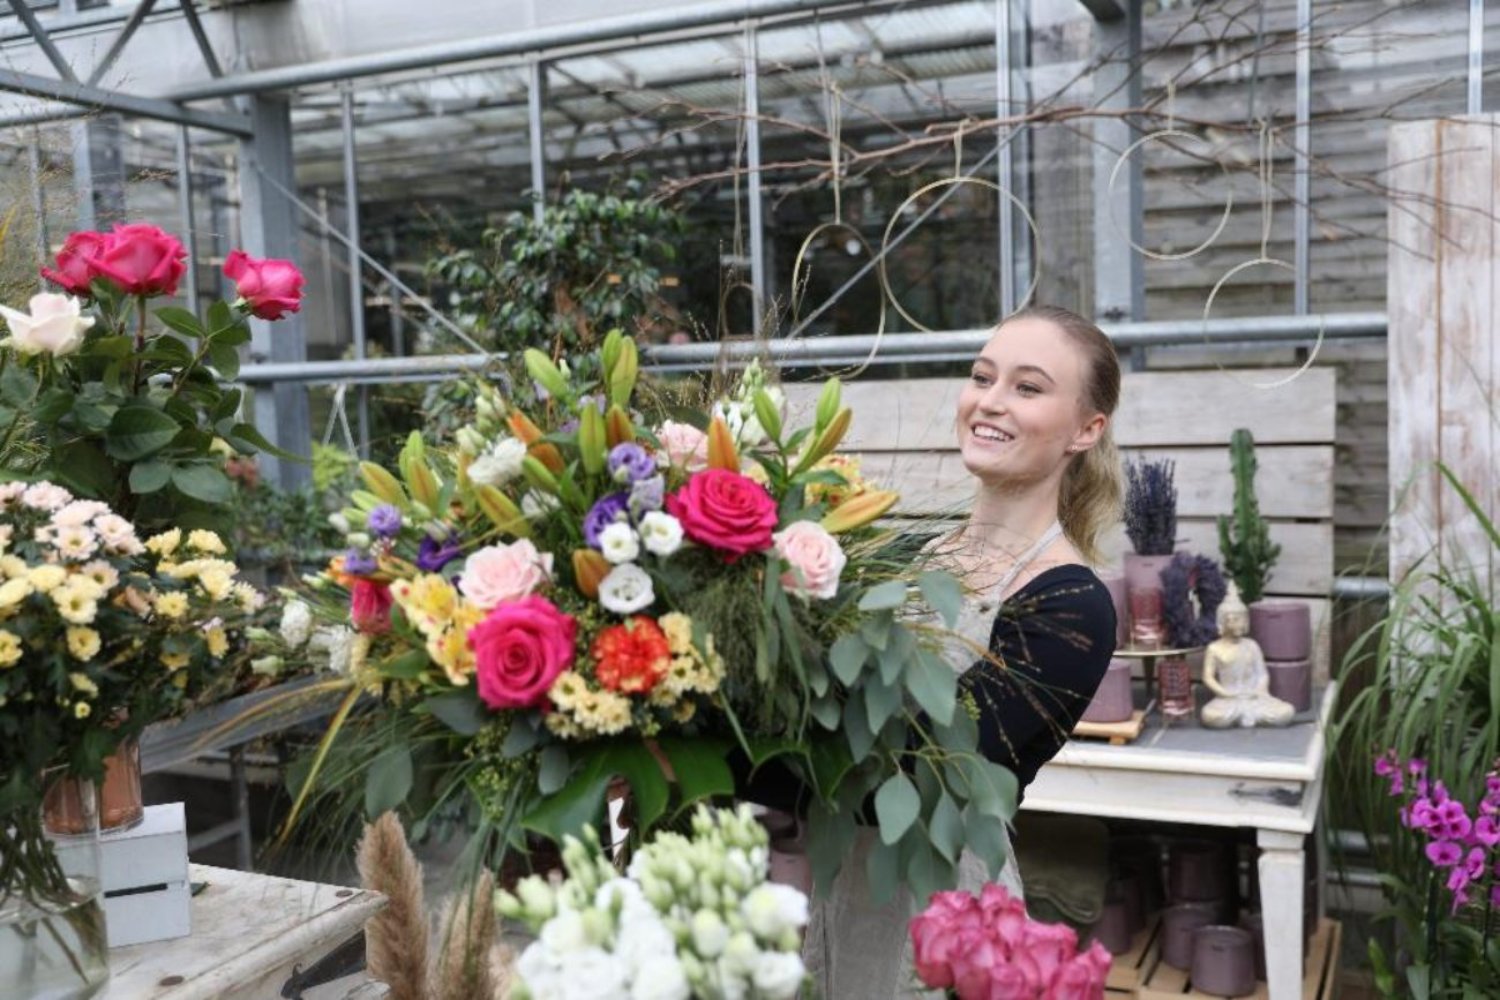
1476, 57
536, 94
38, 198
43, 40
121, 40
1301, 178
356, 276
190, 14
757, 223
1004, 35
185, 209
1105, 10
83, 95
1119, 272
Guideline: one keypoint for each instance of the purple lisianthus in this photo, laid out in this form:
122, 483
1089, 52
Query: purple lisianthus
357, 563
629, 463
433, 554
605, 512
384, 521
647, 495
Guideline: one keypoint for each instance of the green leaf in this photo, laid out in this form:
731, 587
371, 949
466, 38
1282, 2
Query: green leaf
927, 873
52, 406
700, 766
388, 780
826, 711
881, 702
17, 385
224, 358
899, 647
830, 763
847, 658
182, 321
83, 468
244, 437
933, 685
459, 711
577, 803
830, 835
884, 597
876, 630
406, 667
896, 806
220, 315
227, 405
991, 787
943, 592
946, 828
883, 872
857, 728
170, 350
93, 417
137, 432
986, 837
235, 335
552, 769
521, 738
149, 476
203, 482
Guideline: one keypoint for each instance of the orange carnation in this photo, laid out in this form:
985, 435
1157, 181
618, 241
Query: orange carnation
632, 657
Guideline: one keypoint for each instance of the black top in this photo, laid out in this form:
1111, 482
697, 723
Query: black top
1055, 637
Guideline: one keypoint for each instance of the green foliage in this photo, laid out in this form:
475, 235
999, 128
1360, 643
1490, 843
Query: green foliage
1427, 679
1245, 539
591, 263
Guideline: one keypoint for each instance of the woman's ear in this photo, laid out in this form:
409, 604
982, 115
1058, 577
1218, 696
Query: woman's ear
1089, 434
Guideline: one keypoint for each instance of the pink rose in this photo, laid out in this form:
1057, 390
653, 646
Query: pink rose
936, 933
1009, 983
519, 650
501, 573
1046, 949
683, 445
726, 511
271, 288
75, 262
370, 606
976, 959
814, 558
1082, 978
142, 260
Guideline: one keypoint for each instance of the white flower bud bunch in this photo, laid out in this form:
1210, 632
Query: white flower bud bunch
696, 918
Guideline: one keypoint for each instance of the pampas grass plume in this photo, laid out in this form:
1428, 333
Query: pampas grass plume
395, 938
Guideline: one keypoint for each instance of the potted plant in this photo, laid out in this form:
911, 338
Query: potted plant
1151, 523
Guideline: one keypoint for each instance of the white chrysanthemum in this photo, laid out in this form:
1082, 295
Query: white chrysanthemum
535, 506
626, 590
619, 543
9, 492
500, 464
661, 533
78, 512
118, 534
296, 624
45, 496
75, 542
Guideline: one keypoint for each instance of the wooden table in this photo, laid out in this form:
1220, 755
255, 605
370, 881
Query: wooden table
1269, 780
250, 933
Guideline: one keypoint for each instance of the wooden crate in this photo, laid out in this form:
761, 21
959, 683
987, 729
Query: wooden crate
1117, 733
1319, 982
1128, 971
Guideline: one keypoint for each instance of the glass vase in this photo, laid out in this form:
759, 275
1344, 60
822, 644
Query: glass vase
71, 805
52, 936
1146, 629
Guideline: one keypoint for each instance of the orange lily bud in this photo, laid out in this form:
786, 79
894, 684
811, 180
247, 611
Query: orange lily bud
856, 512
722, 453
589, 569
617, 427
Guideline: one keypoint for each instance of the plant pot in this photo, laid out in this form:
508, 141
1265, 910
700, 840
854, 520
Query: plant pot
1282, 629
1197, 871
1127, 886
1112, 701
1253, 923
1113, 929
1139, 858
1291, 681
1115, 584
1223, 961
1178, 924
69, 802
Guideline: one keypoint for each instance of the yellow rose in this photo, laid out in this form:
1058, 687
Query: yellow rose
47, 578
206, 541
83, 642
172, 605
216, 583
165, 543
13, 592
175, 661
75, 606
218, 642
81, 710
10, 648
85, 684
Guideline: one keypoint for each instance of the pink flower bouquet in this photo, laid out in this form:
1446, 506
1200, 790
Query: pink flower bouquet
987, 948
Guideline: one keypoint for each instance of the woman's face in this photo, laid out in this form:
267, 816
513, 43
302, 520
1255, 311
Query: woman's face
1021, 415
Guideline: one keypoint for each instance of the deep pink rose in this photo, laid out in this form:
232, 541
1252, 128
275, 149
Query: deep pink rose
976, 959
1045, 950
142, 260
370, 606
75, 262
936, 932
726, 511
519, 649
1084, 976
1009, 983
271, 288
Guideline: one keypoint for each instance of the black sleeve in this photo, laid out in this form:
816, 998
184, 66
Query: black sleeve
1050, 646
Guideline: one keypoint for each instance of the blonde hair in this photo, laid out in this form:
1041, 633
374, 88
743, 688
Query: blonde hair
1092, 485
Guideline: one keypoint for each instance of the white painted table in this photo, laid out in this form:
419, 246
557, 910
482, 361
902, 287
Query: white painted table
250, 932
1270, 780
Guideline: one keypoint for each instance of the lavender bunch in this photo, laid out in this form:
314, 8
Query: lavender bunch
1151, 506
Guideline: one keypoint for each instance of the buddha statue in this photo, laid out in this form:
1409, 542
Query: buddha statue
1234, 669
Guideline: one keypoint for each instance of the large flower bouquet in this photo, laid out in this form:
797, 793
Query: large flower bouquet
100, 634
694, 916
128, 404
593, 583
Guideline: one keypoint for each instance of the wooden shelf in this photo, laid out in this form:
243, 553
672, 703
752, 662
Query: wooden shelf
1162, 982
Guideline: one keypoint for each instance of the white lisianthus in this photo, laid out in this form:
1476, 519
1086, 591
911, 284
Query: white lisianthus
661, 533
660, 977
535, 506
710, 933
619, 543
777, 975
296, 624
500, 464
565, 933
595, 974
54, 326
339, 522
771, 909
626, 590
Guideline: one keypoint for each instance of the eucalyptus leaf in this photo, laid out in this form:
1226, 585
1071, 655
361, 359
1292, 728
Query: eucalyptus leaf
946, 828
552, 769
900, 645
933, 685
986, 837
884, 596
847, 657
942, 591
857, 728
522, 737
883, 871
826, 712
459, 711
881, 702
896, 806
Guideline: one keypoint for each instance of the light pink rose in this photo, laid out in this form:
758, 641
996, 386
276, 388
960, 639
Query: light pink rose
683, 445
813, 557
501, 573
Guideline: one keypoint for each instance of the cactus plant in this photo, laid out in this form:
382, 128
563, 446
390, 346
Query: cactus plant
1244, 538
1151, 506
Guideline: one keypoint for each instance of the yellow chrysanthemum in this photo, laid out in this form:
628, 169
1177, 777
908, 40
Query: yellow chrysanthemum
567, 689
165, 543
562, 726
603, 712
47, 578
13, 566
101, 572
85, 585
82, 710
218, 642
83, 642
75, 606
678, 629
84, 684
172, 605
216, 583
247, 597
175, 661
684, 711
13, 592
10, 649
834, 494
206, 541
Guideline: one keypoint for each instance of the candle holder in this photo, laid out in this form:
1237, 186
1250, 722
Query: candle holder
1147, 630
1174, 678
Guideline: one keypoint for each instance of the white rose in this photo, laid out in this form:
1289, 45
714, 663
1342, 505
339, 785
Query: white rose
626, 590
660, 978
296, 624
771, 909
619, 543
661, 533
814, 559
500, 464
55, 325
499, 573
777, 975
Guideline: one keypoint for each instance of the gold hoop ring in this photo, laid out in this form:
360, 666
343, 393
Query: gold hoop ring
1114, 176
799, 280
1209, 305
